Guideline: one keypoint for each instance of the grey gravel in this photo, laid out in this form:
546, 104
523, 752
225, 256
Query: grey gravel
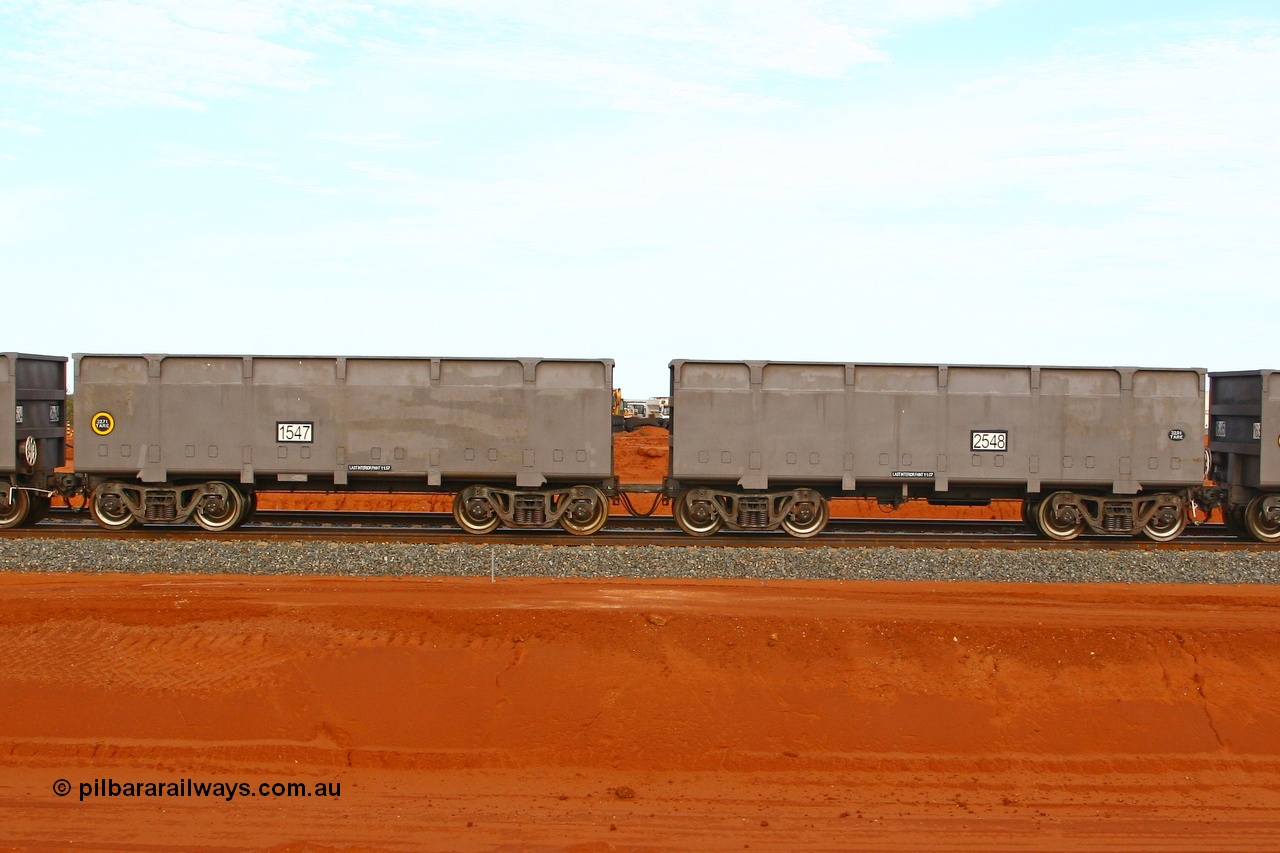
593, 561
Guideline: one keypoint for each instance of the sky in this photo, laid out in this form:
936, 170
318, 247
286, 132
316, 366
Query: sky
949, 181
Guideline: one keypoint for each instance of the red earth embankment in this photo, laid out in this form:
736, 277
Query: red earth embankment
544, 715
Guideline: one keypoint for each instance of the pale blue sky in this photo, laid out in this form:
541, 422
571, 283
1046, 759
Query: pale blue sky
942, 180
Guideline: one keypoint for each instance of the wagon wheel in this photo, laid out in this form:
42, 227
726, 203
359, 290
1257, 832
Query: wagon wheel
1062, 529
1233, 518
808, 515
217, 513
588, 511
250, 507
1029, 506
1166, 525
109, 510
15, 504
40, 505
474, 513
696, 517
1255, 519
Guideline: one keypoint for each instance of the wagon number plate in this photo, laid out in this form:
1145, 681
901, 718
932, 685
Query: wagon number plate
295, 432
990, 440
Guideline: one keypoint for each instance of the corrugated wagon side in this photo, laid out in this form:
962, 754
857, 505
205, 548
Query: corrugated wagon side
167, 438
33, 443
759, 444
1244, 447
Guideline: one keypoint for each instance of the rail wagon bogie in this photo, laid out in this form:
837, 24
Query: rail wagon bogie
765, 445
524, 442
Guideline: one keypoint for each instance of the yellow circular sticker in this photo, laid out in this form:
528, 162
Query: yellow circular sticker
103, 423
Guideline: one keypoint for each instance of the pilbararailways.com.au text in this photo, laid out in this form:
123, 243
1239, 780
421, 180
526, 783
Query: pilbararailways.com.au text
103, 788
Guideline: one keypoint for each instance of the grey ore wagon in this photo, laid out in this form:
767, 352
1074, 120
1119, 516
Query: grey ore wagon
524, 442
33, 444
763, 444
1244, 446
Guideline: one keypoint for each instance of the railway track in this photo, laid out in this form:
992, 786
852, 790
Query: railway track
438, 528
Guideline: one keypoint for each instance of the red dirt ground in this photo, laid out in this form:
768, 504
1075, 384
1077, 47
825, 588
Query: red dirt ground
592, 716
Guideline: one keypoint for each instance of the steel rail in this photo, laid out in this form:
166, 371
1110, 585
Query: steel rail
432, 520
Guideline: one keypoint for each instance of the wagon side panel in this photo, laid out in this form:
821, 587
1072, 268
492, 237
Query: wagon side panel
1164, 423
712, 428
116, 417
893, 425
801, 434
571, 437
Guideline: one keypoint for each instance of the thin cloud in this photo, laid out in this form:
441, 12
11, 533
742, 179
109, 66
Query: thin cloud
602, 81
380, 141
119, 54
19, 127
652, 57
196, 158
375, 172
1037, 174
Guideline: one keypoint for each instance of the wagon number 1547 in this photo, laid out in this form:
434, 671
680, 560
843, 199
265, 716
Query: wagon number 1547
299, 432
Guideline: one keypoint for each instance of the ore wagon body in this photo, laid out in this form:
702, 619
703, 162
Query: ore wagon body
1244, 444
523, 441
33, 442
759, 444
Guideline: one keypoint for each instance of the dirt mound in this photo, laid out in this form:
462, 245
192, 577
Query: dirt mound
641, 456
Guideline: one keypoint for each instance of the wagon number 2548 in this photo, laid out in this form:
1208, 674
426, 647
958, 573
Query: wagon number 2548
992, 440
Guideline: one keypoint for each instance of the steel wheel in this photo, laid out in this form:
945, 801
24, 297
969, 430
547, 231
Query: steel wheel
250, 506
1167, 524
109, 510
808, 515
1029, 505
696, 517
1233, 518
217, 513
1050, 525
588, 511
14, 506
1255, 519
474, 513
40, 505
